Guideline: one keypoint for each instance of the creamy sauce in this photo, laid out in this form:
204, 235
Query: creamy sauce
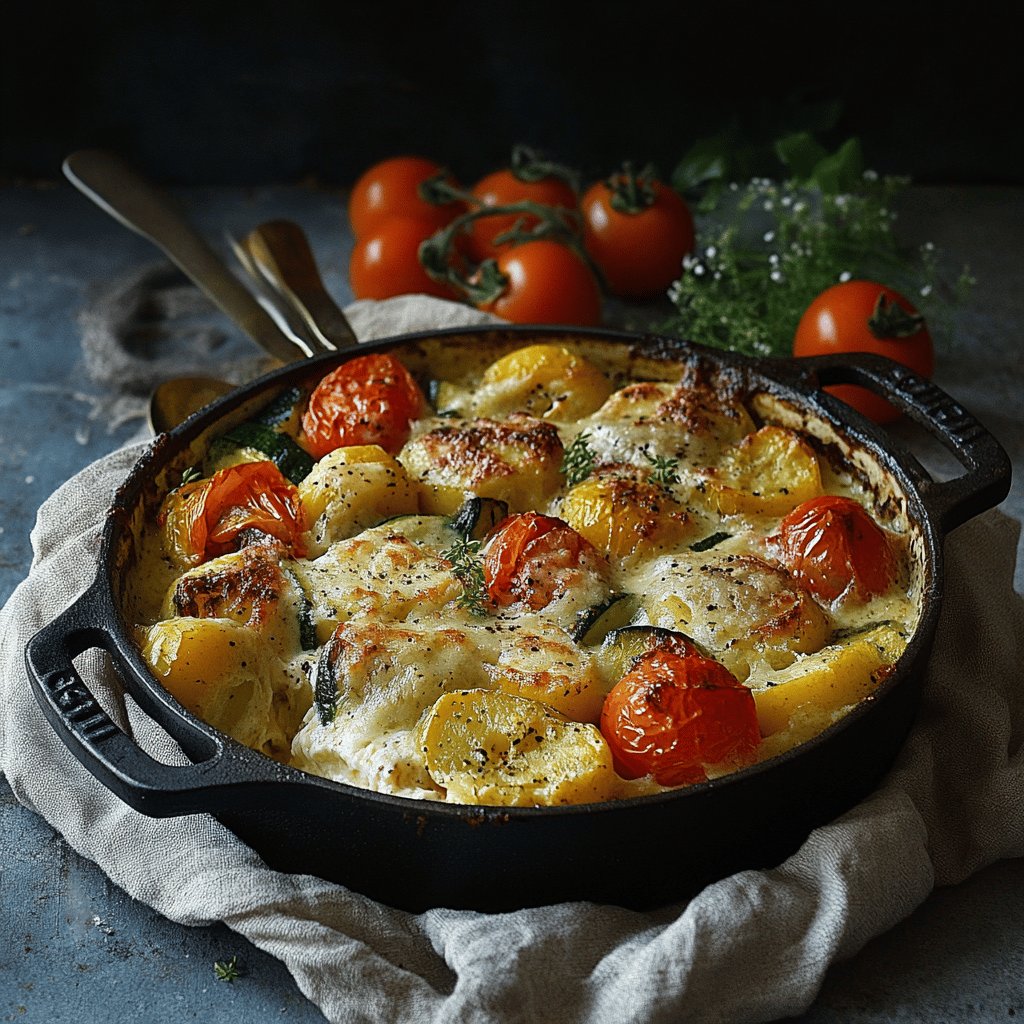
355, 697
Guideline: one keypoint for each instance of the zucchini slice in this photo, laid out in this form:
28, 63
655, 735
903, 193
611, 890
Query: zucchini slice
308, 640
478, 516
253, 442
592, 625
622, 647
325, 689
283, 412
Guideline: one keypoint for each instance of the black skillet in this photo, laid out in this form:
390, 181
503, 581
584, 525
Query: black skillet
417, 854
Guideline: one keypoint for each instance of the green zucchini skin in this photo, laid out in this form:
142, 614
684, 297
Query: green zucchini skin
478, 516
592, 625
325, 690
707, 543
623, 647
282, 449
282, 411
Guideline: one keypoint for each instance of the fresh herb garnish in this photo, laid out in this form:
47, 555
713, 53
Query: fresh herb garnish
468, 569
227, 970
768, 246
664, 471
578, 460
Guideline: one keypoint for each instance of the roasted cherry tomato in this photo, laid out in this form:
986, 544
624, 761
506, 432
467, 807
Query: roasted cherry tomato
504, 187
544, 282
393, 188
209, 517
637, 230
833, 546
385, 261
862, 316
672, 714
371, 399
534, 558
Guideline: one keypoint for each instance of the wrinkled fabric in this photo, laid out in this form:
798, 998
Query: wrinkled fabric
753, 947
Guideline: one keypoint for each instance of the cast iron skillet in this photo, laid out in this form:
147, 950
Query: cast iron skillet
414, 854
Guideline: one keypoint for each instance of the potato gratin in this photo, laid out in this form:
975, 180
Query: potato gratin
559, 573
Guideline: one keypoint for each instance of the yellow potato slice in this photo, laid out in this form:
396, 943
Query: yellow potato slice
220, 671
350, 489
620, 516
769, 472
828, 680
491, 747
547, 381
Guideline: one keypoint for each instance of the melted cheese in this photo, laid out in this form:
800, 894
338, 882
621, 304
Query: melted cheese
684, 491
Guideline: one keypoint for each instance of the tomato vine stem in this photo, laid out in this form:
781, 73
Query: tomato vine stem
483, 283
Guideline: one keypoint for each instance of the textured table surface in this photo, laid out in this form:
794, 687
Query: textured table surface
73, 947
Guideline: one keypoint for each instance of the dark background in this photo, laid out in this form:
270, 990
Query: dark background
231, 93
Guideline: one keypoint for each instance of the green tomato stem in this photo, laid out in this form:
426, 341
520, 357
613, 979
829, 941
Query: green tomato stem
890, 320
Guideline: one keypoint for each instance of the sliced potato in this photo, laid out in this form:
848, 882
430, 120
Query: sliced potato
350, 489
221, 671
547, 381
382, 573
551, 669
740, 608
828, 680
622, 516
692, 422
491, 747
517, 460
766, 473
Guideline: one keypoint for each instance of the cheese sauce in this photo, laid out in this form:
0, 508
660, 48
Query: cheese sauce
380, 649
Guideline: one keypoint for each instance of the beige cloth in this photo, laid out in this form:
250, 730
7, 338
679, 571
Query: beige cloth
754, 947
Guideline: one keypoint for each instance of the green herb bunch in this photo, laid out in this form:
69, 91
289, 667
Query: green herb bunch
767, 247
468, 569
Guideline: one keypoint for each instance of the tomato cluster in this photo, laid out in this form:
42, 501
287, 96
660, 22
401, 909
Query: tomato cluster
524, 242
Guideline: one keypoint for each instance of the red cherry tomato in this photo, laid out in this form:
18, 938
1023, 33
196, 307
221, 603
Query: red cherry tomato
637, 230
502, 188
385, 262
545, 282
371, 399
862, 316
391, 188
534, 558
672, 714
209, 516
833, 546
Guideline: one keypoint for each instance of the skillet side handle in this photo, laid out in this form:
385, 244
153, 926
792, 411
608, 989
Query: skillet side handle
149, 786
951, 503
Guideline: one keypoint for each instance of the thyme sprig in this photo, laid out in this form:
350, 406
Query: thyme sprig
227, 970
468, 569
579, 459
664, 469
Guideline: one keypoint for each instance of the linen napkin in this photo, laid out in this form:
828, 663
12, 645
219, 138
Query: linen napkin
751, 948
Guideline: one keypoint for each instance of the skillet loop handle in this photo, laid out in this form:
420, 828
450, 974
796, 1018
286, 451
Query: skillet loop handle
953, 502
154, 788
